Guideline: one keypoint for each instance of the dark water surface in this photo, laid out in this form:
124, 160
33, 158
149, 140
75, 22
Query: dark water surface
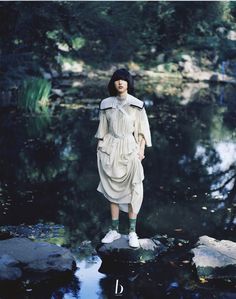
48, 175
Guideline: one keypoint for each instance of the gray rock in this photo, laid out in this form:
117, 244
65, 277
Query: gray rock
36, 261
160, 58
189, 90
217, 77
186, 57
189, 67
198, 76
231, 35
215, 259
55, 74
58, 92
161, 68
221, 30
9, 268
120, 251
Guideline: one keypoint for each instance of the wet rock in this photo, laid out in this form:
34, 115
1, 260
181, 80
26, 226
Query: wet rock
221, 31
206, 76
160, 59
186, 57
231, 35
58, 92
21, 258
167, 67
120, 251
161, 68
5, 235
170, 242
198, 75
9, 268
46, 75
215, 259
190, 90
55, 73
216, 77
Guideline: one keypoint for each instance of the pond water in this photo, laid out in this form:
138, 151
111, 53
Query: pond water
48, 175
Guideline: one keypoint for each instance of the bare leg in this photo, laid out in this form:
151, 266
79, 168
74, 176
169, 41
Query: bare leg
115, 211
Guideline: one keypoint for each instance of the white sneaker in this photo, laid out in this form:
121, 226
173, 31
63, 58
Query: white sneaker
111, 236
133, 240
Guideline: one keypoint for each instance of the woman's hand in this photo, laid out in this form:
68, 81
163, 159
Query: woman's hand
141, 148
141, 154
98, 145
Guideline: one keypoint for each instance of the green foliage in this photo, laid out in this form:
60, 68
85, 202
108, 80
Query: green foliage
37, 125
34, 95
233, 9
103, 31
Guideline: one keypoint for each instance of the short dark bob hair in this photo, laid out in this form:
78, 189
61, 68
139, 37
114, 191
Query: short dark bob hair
122, 74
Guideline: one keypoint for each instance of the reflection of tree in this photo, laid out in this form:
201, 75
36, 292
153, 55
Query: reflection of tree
58, 289
56, 172
177, 131
24, 164
33, 166
230, 114
175, 171
71, 290
148, 280
36, 125
228, 217
230, 203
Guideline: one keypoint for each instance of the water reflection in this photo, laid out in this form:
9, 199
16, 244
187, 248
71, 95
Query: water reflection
51, 174
90, 277
48, 172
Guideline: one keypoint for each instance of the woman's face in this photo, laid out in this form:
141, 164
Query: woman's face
121, 86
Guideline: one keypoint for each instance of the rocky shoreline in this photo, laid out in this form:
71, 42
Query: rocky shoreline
23, 260
176, 68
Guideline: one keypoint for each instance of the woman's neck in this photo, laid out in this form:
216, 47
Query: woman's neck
122, 96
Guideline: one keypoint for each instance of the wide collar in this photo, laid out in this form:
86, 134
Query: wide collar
113, 102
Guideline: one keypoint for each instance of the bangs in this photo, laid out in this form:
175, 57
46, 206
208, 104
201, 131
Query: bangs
121, 74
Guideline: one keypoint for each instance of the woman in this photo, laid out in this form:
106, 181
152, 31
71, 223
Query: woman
122, 134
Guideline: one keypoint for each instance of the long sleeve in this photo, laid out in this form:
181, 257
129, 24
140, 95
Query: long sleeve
103, 125
143, 128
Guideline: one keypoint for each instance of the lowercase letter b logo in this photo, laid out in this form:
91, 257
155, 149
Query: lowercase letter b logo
118, 288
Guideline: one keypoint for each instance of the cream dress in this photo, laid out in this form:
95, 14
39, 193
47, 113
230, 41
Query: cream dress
121, 121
